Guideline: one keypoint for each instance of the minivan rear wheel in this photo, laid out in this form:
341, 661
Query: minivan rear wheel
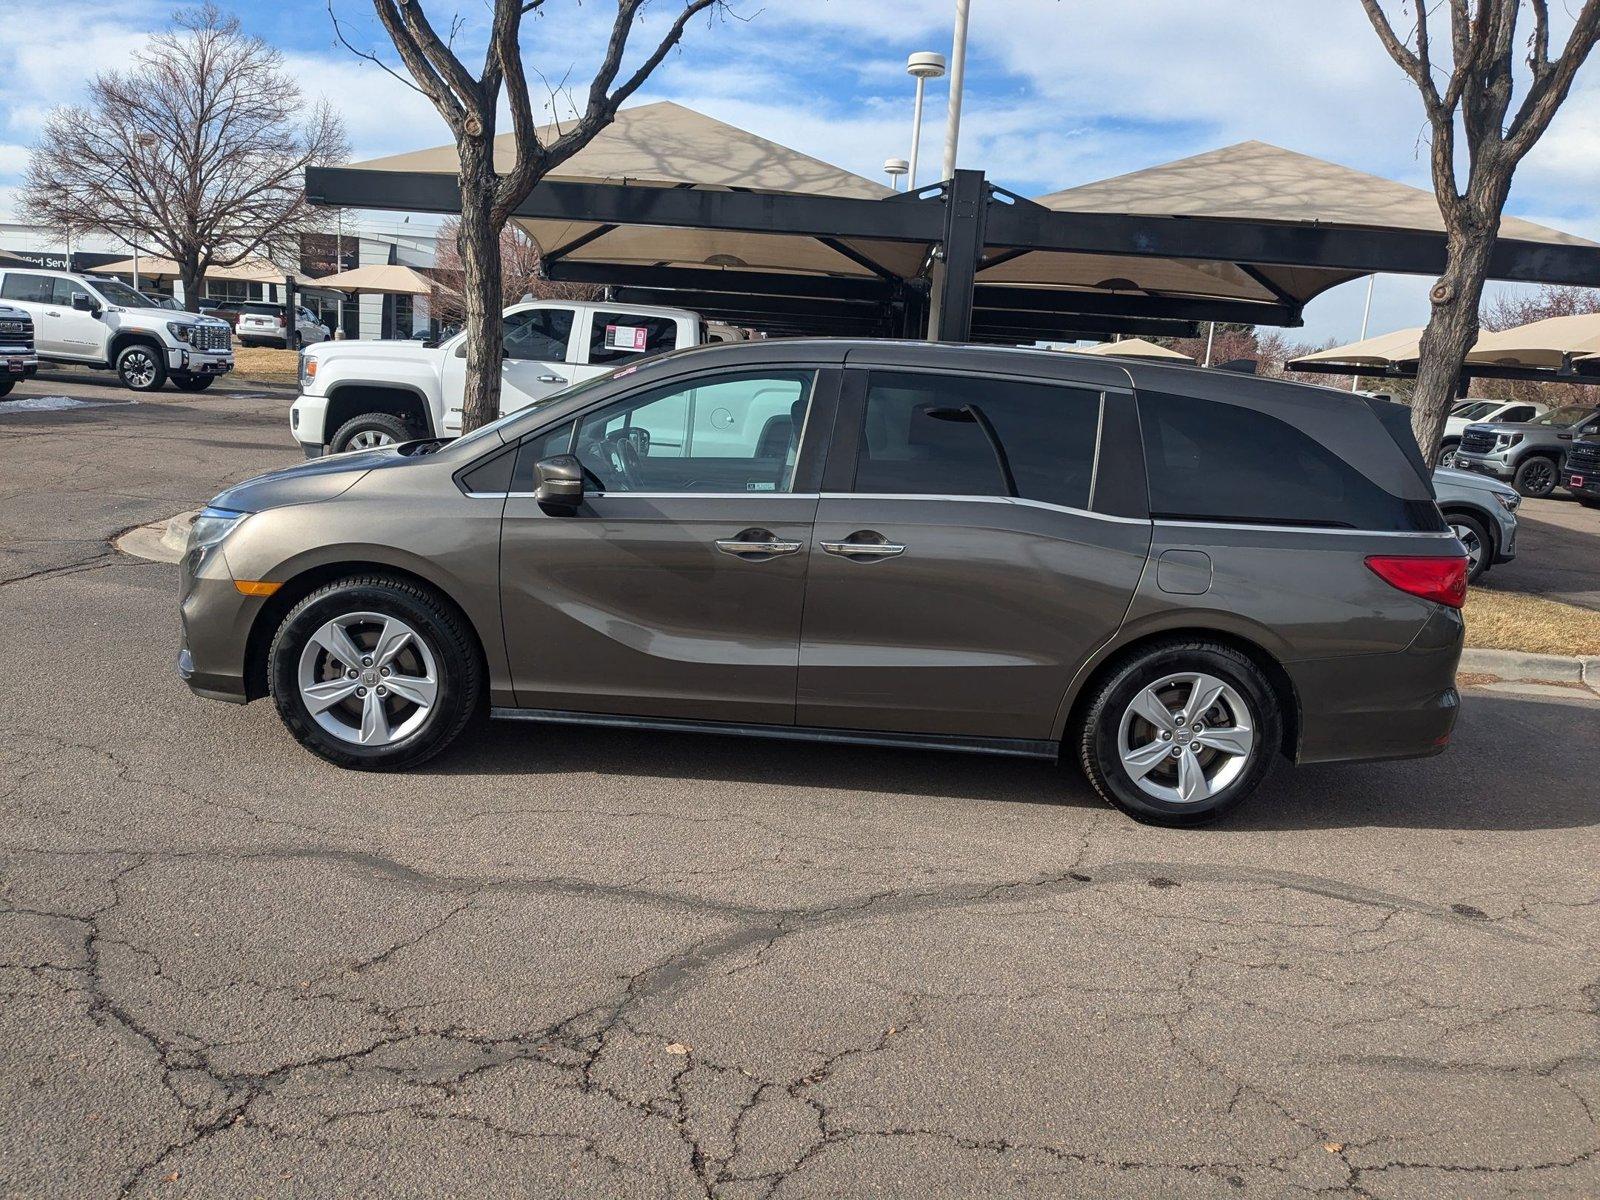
374, 673
1180, 732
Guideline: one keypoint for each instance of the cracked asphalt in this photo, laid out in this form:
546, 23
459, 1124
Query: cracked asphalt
563, 962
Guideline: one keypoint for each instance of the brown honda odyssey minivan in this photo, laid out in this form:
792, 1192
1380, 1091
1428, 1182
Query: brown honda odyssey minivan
1172, 575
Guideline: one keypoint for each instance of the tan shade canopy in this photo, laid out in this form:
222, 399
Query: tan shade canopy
1547, 343
1136, 348
257, 270
379, 279
1251, 181
1387, 349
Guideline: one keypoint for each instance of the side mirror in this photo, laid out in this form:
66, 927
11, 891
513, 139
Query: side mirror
560, 482
82, 302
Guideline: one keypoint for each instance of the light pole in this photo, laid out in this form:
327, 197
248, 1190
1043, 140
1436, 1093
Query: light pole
1366, 313
894, 168
922, 66
958, 68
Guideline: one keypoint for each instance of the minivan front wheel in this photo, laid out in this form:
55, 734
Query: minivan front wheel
1180, 733
374, 673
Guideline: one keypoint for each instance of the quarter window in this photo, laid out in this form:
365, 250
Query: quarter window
31, 289
614, 337
722, 433
1212, 461
962, 435
540, 334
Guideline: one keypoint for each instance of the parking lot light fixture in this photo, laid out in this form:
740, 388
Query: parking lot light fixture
894, 168
921, 66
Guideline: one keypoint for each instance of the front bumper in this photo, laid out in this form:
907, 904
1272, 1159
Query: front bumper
18, 362
214, 627
1496, 463
308, 417
199, 362
1375, 706
1585, 483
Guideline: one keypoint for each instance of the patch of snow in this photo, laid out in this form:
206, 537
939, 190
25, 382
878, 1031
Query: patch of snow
56, 404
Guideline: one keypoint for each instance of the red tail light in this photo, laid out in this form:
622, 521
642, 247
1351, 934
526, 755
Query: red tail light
282, 320
1442, 580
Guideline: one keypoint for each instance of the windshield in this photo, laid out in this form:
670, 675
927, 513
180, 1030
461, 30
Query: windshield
1475, 409
1563, 417
486, 432
115, 292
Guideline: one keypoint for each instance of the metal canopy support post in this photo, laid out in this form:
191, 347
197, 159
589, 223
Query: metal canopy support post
965, 210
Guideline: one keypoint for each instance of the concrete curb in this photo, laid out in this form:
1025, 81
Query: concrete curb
1534, 668
159, 541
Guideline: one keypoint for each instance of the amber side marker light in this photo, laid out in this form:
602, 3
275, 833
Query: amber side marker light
256, 587
1440, 579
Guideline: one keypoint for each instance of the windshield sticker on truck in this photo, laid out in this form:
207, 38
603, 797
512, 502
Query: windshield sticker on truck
626, 337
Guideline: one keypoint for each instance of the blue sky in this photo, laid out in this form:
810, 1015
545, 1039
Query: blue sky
1059, 92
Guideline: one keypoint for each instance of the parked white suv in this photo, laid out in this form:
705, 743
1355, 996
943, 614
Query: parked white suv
18, 358
100, 322
357, 395
263, 325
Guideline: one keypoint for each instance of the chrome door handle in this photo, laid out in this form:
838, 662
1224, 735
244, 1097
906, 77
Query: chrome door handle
741, 549
551, 379
864, 549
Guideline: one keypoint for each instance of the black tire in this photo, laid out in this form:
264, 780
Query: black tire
381, 424
1468, 527
297, 342
193, 383
1536, 476
6, 385
141, 367
1587, 503
1100, 732
1447, 452
458, 665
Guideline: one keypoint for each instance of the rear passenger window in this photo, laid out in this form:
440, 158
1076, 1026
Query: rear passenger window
32, 289
964, 435
1517, 413
539, 334
1209, 461
617, 336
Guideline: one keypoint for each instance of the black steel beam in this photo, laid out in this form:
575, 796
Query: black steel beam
1033, 227
710, 279
623, 204
1049, 325
791, 306
1187, 308
965, 208
1586, 374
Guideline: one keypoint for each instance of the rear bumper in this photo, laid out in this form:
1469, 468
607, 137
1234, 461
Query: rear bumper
1376, 706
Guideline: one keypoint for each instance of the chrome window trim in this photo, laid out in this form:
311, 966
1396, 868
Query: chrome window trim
1316, 529
1021, 501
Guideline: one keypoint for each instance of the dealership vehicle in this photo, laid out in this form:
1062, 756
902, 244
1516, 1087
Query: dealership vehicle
18, 359
359, 395
102, 322
266, 325
1171, 575
1482, 513
1582, 474
1470, 412
1529, 453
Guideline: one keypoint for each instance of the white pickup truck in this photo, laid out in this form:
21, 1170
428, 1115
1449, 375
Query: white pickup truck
357, 395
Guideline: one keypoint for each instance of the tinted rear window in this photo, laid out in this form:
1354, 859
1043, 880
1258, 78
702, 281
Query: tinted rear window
1210, 461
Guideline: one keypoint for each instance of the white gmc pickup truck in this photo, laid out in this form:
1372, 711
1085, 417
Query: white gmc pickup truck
358, 395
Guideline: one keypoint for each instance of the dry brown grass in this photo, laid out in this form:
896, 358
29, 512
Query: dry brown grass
1513, 621
266, 364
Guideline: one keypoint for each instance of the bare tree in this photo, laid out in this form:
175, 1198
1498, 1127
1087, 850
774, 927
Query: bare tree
1475, 104
198, 152
520, 275
469, 106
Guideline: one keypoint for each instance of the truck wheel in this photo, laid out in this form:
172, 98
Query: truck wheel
6, 385
1447, 452
369, 431
139, 366
1535, 477
297, 342
193, 383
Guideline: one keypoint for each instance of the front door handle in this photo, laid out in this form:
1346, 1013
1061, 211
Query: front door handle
551, 379
864, 544
757, 543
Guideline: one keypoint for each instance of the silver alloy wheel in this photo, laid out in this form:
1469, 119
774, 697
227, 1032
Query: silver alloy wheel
368, 678
369, 439
1468, 537
1185, 737
138, 369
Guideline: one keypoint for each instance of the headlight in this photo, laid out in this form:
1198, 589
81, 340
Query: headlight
308, 369
181, 330
1508, 500
211, 526
1505, 440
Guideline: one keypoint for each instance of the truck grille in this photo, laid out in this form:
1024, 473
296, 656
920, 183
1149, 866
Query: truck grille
1477, 441
15, 333
1584, 456
212, 337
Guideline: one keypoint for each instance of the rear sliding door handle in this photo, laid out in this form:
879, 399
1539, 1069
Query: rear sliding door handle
864, 543
757, 543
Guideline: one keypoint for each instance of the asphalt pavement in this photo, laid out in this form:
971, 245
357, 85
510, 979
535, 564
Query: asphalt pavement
567, 962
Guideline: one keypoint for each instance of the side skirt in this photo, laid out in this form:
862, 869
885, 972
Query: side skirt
1010, 747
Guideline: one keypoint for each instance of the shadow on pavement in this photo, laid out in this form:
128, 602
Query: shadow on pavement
1481, 783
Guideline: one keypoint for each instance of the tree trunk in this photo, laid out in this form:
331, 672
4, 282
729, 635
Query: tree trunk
189, 273
1452, 330
478, 242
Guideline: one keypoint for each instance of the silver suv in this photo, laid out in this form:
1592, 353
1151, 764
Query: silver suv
1171, 576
